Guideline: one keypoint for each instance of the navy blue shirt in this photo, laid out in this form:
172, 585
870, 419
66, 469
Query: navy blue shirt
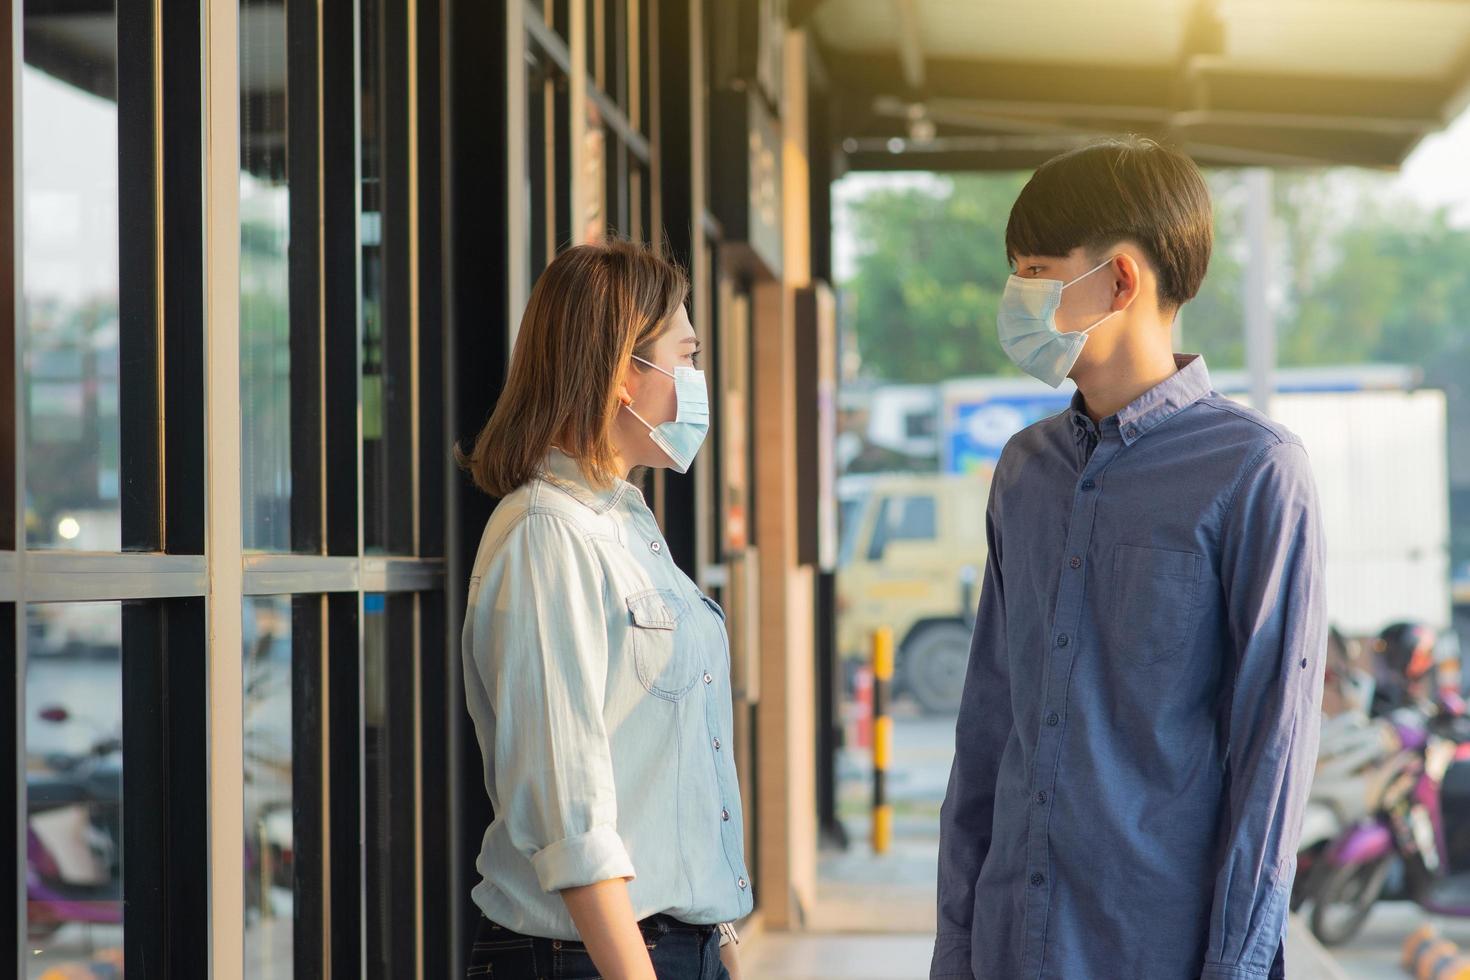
1139, 723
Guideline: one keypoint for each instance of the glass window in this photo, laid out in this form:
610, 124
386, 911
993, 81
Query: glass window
269, 827
912, 519
69, 183
389, 791
592, 224
903, 519
548, 160
73, 750
558, 13
387, 327
539, 229
615, 46
265, 351
849, 520
918, 425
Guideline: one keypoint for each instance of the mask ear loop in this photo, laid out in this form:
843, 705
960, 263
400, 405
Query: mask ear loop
629, 407
652, 365
640, 418
1106, 261
1087, 330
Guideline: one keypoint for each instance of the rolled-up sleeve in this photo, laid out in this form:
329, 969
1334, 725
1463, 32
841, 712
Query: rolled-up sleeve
1272, 573
540, 644
981, 731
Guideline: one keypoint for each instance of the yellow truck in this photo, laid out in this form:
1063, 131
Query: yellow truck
911, 556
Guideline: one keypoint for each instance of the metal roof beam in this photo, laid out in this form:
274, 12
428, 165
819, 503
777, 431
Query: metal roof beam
910, 44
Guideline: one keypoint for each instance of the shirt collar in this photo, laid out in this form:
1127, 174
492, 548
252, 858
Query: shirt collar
566, 473
1157, 405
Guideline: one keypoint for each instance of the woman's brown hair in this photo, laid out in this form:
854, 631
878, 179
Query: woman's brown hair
593, 308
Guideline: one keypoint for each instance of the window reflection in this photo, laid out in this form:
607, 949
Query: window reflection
69, 183
73, 749
269, 828
265, 355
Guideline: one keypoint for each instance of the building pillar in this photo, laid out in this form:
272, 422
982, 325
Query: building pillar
787, 874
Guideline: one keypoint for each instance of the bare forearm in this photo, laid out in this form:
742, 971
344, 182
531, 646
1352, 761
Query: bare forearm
604, 918
731, 959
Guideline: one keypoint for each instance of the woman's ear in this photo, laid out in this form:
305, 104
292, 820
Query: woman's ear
624, 395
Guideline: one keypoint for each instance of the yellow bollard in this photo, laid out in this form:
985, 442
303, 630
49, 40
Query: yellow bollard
1419, 940
882, 738
1434, 956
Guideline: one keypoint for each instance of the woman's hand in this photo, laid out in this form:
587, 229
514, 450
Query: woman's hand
604, 918
731, 959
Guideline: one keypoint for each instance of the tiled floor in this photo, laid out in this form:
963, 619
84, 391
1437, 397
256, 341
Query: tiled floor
835, 956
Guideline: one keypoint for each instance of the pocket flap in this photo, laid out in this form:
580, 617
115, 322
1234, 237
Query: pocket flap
656, 610
1156, 561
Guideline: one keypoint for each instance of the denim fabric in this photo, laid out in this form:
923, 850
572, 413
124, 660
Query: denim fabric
598, 679
1139, 721
678, 952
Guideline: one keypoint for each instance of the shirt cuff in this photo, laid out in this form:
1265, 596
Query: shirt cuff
597, 855
1219, 971
951, 958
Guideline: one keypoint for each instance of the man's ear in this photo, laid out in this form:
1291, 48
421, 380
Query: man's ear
1127, 280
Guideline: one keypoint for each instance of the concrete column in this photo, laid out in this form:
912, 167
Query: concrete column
787, 873
1260, 325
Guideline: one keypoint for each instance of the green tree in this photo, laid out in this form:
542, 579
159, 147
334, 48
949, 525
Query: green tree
930, 269
1359, 277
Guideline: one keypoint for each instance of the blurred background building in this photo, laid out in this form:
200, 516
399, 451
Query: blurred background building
263, 264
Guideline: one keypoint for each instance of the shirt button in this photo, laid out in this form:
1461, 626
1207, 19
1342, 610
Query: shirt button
656, 548
1075, 562
1041, 797
1063, 640
1088, 485
1133, 432
725, 815
742, 883
717, 745
1038, 879
708, 679
1053, 719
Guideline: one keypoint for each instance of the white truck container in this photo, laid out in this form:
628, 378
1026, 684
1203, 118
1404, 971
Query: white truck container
1378, 448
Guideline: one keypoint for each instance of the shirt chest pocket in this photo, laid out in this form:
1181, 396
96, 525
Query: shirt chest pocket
666, 663
1150, 612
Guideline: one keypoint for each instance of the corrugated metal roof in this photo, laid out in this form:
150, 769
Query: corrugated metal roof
977, 84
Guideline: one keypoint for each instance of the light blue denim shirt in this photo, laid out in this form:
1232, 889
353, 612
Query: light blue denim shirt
598, 678
1139, 723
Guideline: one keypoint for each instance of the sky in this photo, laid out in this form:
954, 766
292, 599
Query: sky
1437, 173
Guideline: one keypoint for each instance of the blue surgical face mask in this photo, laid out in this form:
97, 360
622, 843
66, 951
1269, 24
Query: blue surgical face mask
681, 438
1027, 322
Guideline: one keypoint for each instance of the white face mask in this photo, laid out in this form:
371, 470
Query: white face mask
1027, 323
680, 439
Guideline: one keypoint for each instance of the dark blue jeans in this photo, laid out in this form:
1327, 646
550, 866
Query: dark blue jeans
679, 952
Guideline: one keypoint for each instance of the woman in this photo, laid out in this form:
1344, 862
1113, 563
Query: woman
596, 672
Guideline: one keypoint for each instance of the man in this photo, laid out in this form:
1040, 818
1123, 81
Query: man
1139, 721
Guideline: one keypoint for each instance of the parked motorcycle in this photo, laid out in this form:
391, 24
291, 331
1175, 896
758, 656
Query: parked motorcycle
74, 836
1405, 835
1356, 763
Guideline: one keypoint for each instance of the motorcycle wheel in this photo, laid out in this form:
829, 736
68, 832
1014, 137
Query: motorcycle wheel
1345, 899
